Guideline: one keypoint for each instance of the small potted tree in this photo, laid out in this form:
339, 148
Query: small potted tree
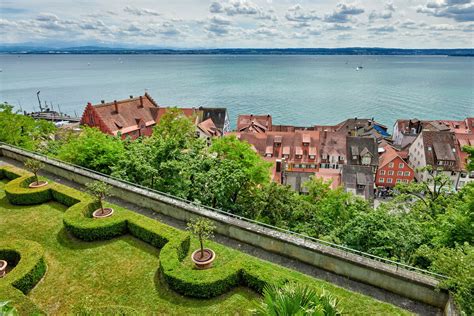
35, 166
3, 268
202, 229
100, 190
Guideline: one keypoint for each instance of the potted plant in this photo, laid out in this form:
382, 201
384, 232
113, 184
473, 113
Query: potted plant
100, 190
35, 166
3, 268
203, 229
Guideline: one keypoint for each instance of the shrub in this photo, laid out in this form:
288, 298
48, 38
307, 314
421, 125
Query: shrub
7, 309
296, 299
17, 194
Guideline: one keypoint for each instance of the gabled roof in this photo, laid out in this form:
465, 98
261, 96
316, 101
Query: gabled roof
389, 155
209, 128
439, 146
122, 115
356, 145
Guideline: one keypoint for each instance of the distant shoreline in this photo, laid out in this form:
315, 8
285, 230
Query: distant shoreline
468, 52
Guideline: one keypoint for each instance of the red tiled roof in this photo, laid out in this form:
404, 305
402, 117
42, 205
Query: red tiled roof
209, 128
125, 115
254, 123
389, 155
463, 140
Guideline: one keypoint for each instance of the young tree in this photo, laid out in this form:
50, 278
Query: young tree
34, 166
100, 190
203, 229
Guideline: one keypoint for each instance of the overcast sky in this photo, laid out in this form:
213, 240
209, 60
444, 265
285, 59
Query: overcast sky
239, 23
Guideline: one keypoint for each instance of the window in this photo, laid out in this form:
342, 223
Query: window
407, 173
382, 172
399, 180
354, 157
390, 165
401, 165
268, 155
366, 160
399, 173
389, 180
311, 157
390, 172
440, 163
405, 181
381, 180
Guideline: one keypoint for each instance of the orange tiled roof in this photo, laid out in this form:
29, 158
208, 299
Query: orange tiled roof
125, 115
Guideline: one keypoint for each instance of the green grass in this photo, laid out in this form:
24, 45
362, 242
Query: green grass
124, 272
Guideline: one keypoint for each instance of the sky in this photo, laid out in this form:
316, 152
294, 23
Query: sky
238, 23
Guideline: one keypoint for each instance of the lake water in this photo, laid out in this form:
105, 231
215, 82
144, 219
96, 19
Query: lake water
298, 90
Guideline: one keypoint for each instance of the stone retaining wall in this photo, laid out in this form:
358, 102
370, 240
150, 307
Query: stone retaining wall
406, 283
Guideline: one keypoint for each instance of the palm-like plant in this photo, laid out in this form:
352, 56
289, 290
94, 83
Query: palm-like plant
296, 299
7, 309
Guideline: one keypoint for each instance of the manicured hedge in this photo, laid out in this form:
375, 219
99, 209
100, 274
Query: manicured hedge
30, 265
230, 269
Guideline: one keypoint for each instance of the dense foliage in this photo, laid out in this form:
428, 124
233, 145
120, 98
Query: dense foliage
424, 218
23, 131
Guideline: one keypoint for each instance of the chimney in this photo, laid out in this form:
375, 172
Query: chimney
102, 101
116, 106
141, 101
131, 96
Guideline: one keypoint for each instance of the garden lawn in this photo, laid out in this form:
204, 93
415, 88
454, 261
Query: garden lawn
124, 272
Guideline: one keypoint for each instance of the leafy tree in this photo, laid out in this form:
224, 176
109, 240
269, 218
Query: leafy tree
255, 168
23, 131
100, 190
203, 229
94, 150
330, 208
470, 159
458, 264
296, 299
384, 234
34, 166
431, 192
138, 165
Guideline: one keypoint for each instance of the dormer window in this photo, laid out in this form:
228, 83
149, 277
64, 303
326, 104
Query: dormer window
366, 159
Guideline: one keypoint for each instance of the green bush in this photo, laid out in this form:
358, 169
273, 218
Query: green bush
18, 193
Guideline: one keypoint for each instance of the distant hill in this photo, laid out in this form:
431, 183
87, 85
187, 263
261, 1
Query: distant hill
236, 51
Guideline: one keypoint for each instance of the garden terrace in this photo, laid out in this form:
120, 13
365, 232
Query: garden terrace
69, 262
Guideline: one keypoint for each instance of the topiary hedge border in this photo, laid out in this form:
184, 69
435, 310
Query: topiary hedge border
30, 264
174, 243
237, 269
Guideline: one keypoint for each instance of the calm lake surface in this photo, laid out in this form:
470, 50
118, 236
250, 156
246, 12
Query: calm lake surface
299, 90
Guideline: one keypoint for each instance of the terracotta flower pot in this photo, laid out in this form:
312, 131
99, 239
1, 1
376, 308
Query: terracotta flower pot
3, 268
39, 184
99, 214
203, 262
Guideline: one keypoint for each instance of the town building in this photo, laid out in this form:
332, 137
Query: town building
392, 169
359, 180
136, 117
218, 116
133, 117
437, 149
465, 176
362, 151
